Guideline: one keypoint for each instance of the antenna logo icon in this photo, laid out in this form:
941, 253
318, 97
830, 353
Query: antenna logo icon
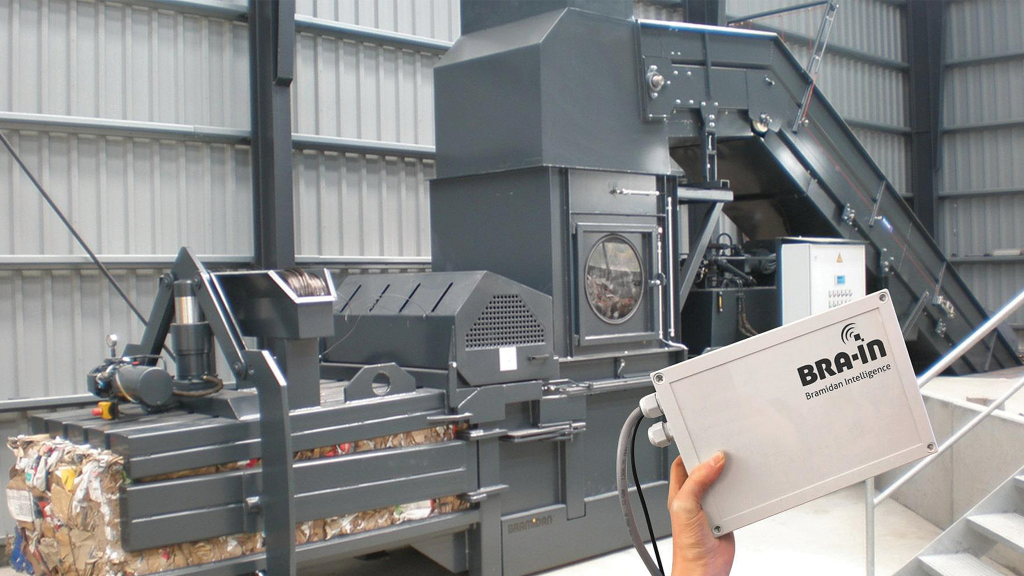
849, 334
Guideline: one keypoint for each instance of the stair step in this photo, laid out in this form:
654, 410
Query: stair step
957, 565
1007, 528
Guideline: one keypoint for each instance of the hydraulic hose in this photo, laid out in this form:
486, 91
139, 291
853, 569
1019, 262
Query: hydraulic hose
622, 485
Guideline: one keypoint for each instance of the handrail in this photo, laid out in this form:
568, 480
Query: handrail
969, 342
870, 500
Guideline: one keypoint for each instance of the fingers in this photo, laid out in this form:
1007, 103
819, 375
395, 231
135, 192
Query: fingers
702, 477
676, 478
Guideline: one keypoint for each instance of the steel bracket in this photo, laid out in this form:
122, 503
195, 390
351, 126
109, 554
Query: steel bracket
915, 313
477, 496
559, 431
379, 380
657, 104
709, 142
849, 215
874, 209
252, 505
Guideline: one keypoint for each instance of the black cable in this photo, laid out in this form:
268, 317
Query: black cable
67, 223
742, 322
640, 493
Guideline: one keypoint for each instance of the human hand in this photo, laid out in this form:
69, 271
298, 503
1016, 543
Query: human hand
695, 550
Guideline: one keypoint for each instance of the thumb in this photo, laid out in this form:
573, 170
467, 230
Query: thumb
702, 477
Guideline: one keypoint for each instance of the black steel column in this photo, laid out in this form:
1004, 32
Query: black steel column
924, 51
271, 67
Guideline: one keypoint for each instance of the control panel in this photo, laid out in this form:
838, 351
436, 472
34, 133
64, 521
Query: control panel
819, 276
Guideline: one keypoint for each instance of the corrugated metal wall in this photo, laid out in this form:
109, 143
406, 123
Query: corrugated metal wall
981, 197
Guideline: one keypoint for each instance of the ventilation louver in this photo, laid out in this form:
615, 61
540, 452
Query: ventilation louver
505, 321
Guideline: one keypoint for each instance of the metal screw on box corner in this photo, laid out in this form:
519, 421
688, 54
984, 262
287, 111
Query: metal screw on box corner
659, 377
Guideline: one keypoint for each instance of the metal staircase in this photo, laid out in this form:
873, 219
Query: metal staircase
987, 541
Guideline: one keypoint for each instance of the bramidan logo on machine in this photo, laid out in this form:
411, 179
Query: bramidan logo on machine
824, 368
529, 524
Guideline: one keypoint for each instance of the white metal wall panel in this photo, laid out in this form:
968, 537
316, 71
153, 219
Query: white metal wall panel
358, 90
871, 97
126, 196
437, 19
892, 154
361, 205
859, 90
642, 9
138, 196
54, 324
983, 28
973, 162
984, 93
109, 60
994, 284
981, 225
872, 26
981, 195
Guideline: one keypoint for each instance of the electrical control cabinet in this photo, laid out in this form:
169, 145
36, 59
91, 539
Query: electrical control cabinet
819, 275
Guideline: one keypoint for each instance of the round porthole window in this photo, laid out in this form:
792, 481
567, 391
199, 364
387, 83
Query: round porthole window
614, 279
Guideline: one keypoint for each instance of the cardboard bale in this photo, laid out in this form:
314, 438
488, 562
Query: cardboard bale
65, 497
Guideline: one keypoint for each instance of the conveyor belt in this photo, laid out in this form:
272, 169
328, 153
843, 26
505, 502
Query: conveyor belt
815, 181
